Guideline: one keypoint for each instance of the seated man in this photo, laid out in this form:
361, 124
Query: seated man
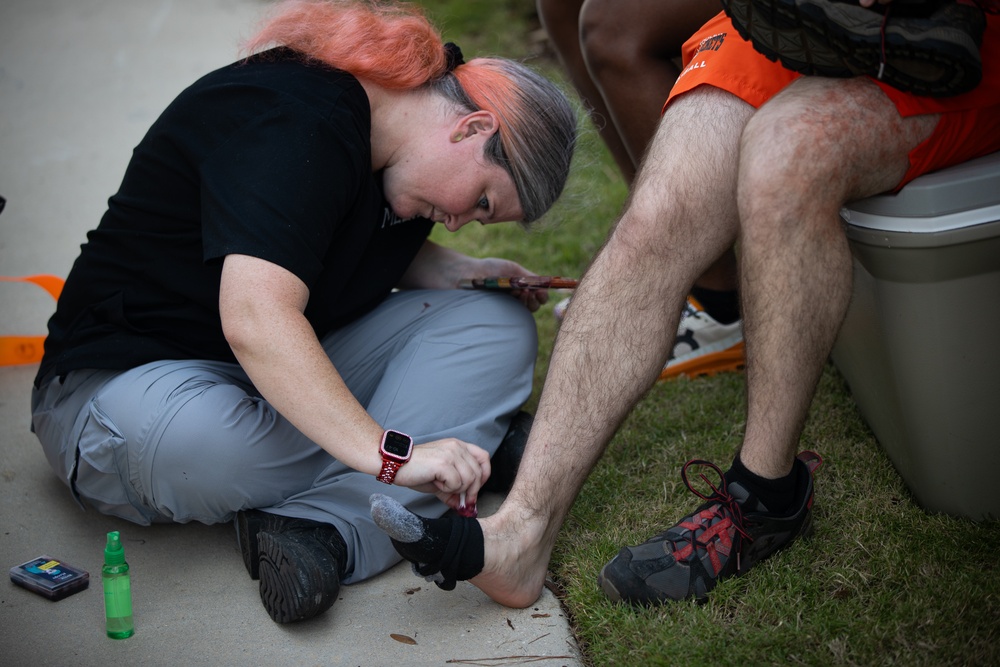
747, 152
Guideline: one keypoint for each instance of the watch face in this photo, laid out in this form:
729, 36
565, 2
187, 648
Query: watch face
397, 444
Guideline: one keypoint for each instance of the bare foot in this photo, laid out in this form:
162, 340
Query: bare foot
516, 559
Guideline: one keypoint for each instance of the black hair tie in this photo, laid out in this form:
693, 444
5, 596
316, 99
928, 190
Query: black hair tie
453, 56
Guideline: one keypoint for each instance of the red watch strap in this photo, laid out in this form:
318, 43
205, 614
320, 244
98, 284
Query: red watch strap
389, 470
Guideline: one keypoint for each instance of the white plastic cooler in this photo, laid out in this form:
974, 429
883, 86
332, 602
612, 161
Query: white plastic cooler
920, 346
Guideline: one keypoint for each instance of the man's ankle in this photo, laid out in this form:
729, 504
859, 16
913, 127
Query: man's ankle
777, 495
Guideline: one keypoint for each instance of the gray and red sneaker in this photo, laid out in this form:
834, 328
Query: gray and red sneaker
924, 47
726, 536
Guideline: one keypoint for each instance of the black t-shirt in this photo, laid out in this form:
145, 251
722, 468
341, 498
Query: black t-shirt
269, 157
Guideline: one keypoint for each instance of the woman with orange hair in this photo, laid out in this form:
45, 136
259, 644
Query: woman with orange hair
260, 318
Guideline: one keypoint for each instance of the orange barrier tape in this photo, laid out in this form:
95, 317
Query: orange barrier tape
51, 284
16, 350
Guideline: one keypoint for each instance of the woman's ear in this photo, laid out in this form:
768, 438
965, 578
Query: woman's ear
478, 122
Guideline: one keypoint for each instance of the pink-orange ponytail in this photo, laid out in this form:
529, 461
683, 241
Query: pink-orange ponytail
390, 44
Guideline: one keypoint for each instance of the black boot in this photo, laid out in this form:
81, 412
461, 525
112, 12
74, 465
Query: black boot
507, 458
299, 563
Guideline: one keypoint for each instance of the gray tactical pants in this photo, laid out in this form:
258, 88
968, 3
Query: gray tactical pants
189, 440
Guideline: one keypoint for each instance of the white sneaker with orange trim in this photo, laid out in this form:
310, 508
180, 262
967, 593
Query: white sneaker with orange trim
704, 346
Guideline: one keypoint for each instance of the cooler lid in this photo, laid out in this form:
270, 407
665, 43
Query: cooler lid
930, 203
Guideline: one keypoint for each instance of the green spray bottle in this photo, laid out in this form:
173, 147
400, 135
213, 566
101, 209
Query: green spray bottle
117, 589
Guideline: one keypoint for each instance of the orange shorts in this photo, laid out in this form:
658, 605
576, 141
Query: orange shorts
969, 127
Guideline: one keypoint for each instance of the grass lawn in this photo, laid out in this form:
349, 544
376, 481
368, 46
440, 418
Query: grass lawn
881, 582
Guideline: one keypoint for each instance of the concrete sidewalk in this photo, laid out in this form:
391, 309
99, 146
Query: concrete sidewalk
80, 82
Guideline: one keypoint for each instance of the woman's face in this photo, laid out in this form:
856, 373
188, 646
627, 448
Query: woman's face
447, 179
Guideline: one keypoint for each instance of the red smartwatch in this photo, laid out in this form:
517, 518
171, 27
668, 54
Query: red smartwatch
396, 449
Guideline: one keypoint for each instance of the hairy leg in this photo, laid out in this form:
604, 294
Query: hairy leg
616, 338
818, 144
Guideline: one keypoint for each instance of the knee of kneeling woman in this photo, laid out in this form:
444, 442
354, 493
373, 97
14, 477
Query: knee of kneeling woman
503, 321
491, 336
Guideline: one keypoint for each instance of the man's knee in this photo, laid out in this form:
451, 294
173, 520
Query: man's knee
781, 143
789, 166
828, 139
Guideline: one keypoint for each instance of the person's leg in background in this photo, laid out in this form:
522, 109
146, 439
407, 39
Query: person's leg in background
561, 20
631, 50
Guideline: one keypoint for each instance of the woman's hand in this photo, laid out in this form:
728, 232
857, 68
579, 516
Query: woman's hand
489, 267
438, 267
447, 468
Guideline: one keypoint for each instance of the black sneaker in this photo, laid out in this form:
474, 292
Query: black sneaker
924, 47
725, 536
299, 562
